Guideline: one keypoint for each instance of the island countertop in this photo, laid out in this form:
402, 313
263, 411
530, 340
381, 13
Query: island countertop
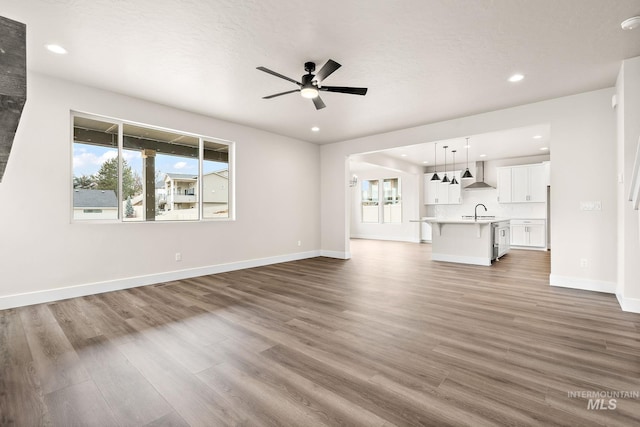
465, 220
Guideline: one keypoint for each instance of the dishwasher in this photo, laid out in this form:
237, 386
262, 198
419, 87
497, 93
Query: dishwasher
501, 239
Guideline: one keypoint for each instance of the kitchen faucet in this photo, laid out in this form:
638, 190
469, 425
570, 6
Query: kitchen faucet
475, 211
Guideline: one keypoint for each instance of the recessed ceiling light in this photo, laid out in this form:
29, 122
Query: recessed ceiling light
315, 129
56, 48
516, 78
631, 23
425, 162
537, 136
544, 148
483, 155
403, 155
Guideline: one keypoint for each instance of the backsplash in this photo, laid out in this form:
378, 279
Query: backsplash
490, 199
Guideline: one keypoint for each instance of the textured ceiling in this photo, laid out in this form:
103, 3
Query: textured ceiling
422, 60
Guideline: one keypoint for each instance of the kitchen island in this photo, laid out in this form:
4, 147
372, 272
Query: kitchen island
469, 241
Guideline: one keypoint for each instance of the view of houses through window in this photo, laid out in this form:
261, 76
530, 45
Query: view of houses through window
370, 201
136, 173
392, 212
391, 201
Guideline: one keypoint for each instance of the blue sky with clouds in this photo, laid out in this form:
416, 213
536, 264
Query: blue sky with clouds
87, 160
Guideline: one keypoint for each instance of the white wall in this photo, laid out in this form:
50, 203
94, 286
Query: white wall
583, 169
42, 252
628, 126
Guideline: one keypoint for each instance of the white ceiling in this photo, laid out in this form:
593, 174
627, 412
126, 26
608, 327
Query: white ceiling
423, 60
509, 143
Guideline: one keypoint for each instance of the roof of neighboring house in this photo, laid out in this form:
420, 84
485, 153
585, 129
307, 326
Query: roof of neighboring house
178, 176
83, 198
223, 173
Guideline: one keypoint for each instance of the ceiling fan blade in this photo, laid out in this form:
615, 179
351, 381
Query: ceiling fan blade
317, 101
273, 73
343, 89
280, 94
327, 69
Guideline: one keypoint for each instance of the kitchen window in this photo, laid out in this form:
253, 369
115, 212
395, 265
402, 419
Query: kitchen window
371, 201
392, 212
136, 173
381, 201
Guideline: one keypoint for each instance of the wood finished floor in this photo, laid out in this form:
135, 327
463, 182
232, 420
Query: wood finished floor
386, 338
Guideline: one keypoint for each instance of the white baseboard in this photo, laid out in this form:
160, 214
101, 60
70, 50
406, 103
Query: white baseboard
529, 248
629, 304
39, 297
584, 284
461, 259
336, 254
387, 238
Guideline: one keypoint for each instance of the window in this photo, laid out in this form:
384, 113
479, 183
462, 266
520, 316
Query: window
370, 201
391, 195
133, 173
392, 212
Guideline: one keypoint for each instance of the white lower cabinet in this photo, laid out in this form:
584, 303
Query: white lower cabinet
529, 233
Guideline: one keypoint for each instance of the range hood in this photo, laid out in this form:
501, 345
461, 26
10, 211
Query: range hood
479, 184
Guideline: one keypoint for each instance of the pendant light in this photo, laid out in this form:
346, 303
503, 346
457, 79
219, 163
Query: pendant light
467, 174
445, 179
454, 181
435, 176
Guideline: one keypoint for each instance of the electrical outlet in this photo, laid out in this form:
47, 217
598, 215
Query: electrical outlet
299, 242
584, 263
178, 256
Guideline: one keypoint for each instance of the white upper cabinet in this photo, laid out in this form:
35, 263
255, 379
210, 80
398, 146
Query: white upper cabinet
504, 185
437, 193
455, 190
522, 184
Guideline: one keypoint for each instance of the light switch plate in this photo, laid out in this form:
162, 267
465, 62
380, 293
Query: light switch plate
591, 206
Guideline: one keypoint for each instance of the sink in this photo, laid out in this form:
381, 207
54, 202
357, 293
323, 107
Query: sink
471, 217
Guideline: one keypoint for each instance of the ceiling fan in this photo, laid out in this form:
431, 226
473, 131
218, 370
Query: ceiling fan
310, 85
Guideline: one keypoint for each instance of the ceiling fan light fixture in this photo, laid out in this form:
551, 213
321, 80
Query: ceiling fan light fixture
56, 48
309, 84
309, 92
631, 23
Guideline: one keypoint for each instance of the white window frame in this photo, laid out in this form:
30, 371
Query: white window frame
201, 139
